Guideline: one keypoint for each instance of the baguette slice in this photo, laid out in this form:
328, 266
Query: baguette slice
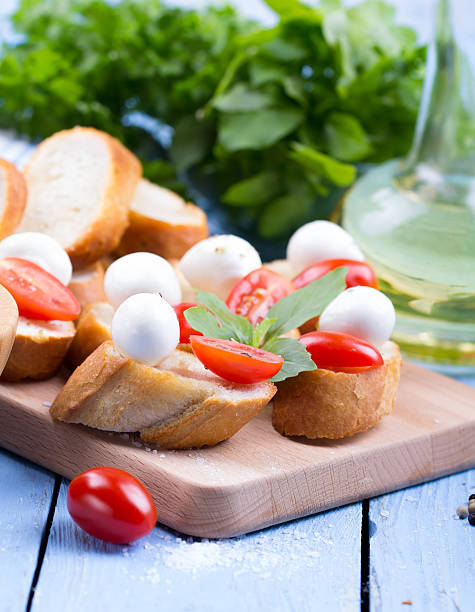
39, 349
88, 284
177, 405
281, 266
80, 185
12, 197
325, 404
161, 222
92, 329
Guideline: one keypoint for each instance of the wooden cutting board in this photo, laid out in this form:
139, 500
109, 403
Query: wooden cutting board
259, 478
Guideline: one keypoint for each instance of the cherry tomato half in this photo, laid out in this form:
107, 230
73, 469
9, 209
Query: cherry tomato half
111, 505
236, 362
341, 352
255, 294
185, 328
38, 294
359, 273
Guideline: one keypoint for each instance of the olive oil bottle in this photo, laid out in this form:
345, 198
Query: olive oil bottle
414, 219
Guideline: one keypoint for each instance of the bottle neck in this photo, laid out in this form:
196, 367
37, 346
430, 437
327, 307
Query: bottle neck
441, 163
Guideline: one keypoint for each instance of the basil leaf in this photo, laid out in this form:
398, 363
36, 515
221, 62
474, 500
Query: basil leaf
203, 321
324, 165
243, 98
310, 301
255, 190
240, 328
261, 330
297, 358
346, 138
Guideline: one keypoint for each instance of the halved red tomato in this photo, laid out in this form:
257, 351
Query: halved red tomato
236, 362
341, 352
359, 273
185, 328
38, 294
255, 294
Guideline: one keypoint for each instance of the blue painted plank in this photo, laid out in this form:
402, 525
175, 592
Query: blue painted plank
313, 563
25, 496
420, 551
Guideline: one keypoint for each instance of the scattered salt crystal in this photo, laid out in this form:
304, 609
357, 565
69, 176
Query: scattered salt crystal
136, 443
148, 449
48, 404
384, 513
436, 421
155, 451
162, 456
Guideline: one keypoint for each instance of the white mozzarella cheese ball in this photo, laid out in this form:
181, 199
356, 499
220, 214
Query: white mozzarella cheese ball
320, 240
145, 328
217, 263
40, 249
141, 273
363, 312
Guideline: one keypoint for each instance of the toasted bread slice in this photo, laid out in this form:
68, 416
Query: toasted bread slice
161, 222
92, 329
179, 404
12, 197
8, 325
325, 404
88, 284
80, 185
39, 349
281, 266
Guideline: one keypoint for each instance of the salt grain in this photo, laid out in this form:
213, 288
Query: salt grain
47, 404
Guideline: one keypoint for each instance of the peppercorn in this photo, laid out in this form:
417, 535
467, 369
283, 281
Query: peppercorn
471, 507
471, 519
462, 512
472, 496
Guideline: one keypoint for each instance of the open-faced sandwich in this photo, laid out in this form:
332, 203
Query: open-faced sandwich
185, 338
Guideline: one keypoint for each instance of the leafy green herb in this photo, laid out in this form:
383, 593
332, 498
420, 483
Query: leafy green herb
214, 319
303, 101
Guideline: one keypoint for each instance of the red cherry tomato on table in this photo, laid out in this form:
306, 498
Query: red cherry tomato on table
341, 352
38, 294
359, 273
236, 362
255, 294
111, 505
185, 328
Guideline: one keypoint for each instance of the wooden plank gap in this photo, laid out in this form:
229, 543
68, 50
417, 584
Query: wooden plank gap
44, 541
365, 557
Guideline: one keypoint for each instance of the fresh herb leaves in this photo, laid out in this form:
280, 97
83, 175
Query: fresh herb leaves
214, 319
277, 116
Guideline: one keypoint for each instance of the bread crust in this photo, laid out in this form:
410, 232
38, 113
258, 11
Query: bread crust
37, 356
105, 233
91, 331
114, 393
88, 286
326, 404
159, 237
15, 198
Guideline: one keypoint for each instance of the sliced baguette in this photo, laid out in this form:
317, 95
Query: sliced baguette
177, 405
80, 185
161, 222
39, 349
281, 266
88, 284
92, 329
12, 197
325, 404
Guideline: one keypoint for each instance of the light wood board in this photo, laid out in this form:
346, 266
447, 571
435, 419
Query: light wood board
259, 478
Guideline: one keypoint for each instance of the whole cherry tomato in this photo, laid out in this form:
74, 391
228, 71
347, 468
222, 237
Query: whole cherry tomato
341, 352
38, 294
255, 294
185, 328
111, 505
236, 362
359, 273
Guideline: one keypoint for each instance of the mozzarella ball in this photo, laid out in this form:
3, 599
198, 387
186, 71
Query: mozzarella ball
141, 273
321, 240
145, 328
217, 263
42, 250
363, 312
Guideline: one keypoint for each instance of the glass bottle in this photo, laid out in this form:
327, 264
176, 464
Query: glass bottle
415, 219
